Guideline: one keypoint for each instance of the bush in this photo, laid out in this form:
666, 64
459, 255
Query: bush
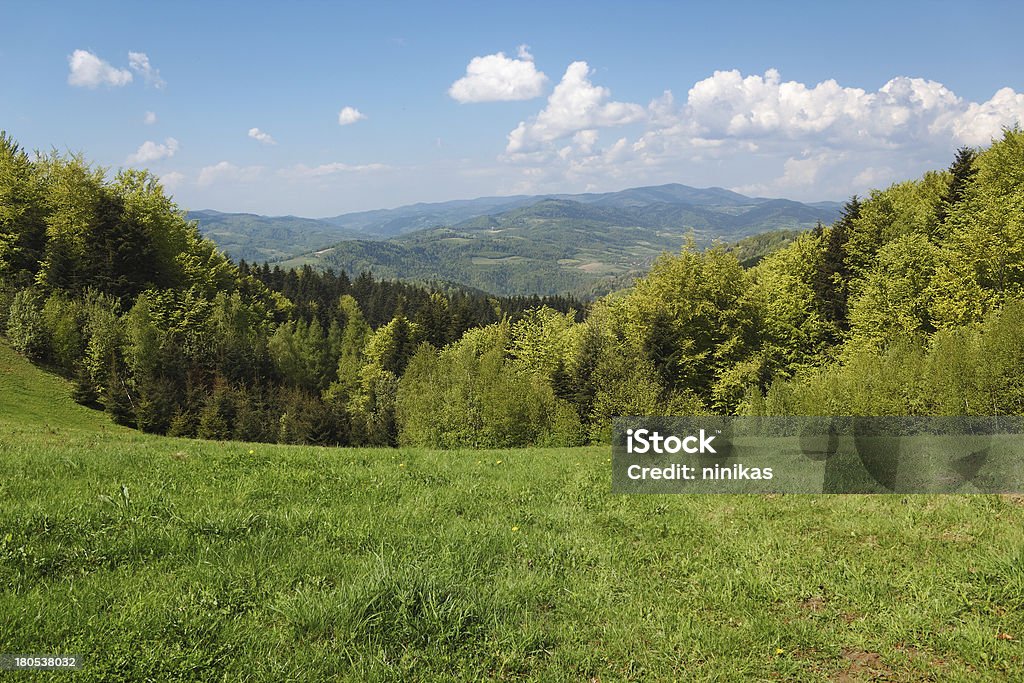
25, 327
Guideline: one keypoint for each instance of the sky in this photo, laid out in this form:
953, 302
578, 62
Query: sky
322, 108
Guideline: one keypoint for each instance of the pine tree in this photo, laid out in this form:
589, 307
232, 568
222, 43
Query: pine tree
83, 391
963, 172
117, 401
831, 282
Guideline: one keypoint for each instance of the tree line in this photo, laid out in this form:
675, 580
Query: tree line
910, 303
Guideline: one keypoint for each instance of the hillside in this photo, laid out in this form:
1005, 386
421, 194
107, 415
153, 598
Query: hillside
562, 245
31, 396
242, 561
542, 244
254, 238
394, 222
750, 251
915, 292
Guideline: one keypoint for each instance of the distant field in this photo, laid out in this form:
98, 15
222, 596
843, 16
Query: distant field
168, 559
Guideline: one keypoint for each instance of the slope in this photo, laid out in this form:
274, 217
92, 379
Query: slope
31, 396
255, 238
560, 245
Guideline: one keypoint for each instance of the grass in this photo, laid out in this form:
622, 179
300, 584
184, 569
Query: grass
167, 559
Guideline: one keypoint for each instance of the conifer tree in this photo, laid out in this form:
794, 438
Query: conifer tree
116, 399
832, 281
963, 171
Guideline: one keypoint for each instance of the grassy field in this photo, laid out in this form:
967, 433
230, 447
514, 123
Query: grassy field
166, 559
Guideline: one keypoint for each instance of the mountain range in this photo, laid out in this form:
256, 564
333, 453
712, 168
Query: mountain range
528, 244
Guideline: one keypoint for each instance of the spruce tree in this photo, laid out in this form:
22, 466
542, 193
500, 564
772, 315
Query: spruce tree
832, 279
963, 172
116, 400
83, 391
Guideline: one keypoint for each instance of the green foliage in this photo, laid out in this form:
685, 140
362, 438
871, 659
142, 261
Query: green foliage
831, 280
987, 226
962, 171
750, 251
560, 245
936, 268
793, 324
390, 347
25, 326
907, 304
896, 298
964, 371
117, 401
472, 394
689, 318
22, 224
299, 353
65, 321
217, 416
83, 391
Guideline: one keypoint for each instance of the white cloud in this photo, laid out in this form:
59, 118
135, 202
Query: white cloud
873, 177
154, 151
303, 171
225, 171
497, 78
903, 112
349, 115
798, 175
172, 180
261, 136
757, 133
150, 118
982, 121
139, 63
86, 70
575, 104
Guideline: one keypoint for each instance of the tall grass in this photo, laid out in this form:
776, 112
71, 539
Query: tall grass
166, 559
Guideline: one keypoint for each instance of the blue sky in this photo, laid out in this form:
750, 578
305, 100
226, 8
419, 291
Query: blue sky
803, 100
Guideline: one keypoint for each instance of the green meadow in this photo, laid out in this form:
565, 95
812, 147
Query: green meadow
171, 559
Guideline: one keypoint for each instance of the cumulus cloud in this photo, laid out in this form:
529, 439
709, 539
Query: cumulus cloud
872, 176
797, 172
139, 63
497, 78
576, 104
150, 118
261, 136
86, 70
774, 136
225, 171
981, 121
349, 115
729, 105
154, 151
299, 171
172, 180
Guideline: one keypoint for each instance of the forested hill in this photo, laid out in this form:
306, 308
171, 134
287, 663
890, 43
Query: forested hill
514, 245
910, 303
560, 245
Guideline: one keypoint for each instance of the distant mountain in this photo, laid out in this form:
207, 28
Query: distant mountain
392, 222
750, 251
527, 244
665, 194
254, 238
558, 245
